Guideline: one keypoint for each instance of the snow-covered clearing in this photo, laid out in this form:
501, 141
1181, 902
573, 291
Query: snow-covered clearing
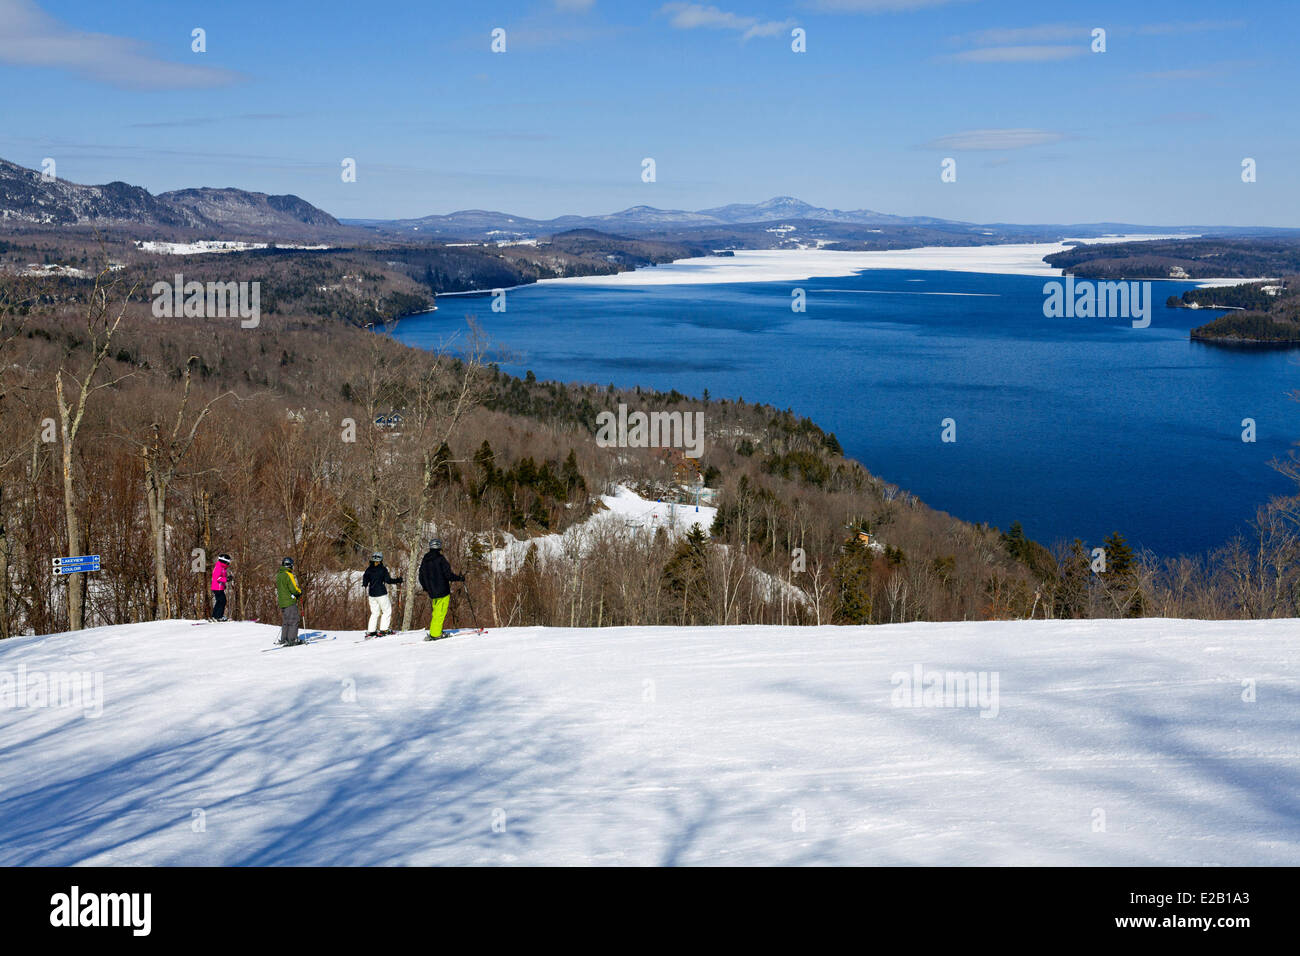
53, 269
626, 513
1107, 743
207, 246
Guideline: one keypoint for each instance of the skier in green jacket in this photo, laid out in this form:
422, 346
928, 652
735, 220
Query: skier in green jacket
287, 593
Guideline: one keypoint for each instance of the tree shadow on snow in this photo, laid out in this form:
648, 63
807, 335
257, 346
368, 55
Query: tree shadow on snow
309, 781
1186, 772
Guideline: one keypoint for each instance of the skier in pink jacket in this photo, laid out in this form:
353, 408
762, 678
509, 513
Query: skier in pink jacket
219, 577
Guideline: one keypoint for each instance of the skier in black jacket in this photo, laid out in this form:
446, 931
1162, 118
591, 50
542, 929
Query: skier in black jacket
436, 576
375, 581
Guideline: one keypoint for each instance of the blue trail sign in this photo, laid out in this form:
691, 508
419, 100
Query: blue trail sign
77, 564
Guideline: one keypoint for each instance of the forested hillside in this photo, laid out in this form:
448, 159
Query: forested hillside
1269, 312
1200, 258
157, 442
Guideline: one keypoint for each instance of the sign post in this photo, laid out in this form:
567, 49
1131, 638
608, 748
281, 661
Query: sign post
77, 564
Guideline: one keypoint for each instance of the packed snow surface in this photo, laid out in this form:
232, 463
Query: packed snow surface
1106, 743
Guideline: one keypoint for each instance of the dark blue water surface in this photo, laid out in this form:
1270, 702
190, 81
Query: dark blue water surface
1074, 427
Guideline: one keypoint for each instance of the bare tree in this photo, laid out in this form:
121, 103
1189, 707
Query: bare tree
445, 390
73, 393
162, 455
14, 301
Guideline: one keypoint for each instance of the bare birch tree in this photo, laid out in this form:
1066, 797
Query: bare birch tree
72, 394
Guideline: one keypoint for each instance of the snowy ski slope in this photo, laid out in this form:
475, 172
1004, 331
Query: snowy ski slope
1108, 743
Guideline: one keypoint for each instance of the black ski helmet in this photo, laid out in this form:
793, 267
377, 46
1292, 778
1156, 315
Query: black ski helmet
287, 563
223, 558
435, 544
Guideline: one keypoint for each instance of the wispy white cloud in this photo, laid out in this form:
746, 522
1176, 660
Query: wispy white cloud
30, 37
537, 34
1205, 71
1040, 43
995, 139
876, 6
694, 16
209, 120
1019, 54
1188, 26
1059, 41
1065, 32
1042, 33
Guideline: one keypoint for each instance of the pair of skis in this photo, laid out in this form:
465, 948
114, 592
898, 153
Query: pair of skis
213, 620
309, 637
453, 632
456, 632
316, 637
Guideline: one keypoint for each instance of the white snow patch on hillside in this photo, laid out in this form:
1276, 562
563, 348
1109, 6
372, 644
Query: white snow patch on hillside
738, 745
53, 269
1222, 283
202, 246
626, 513
206, 246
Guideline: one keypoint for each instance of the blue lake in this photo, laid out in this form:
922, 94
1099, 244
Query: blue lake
1074, 427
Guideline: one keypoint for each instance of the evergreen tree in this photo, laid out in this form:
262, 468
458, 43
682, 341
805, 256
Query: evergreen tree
486, 460
852, 579
574, 484
1119, 556
1075, 583
685, 576
538, 515
444, 472
1014, 541
1120, 577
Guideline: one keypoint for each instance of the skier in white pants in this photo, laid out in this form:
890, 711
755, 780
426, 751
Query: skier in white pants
375, 581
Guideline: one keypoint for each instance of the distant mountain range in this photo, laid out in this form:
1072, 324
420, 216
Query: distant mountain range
481, 223
28, 199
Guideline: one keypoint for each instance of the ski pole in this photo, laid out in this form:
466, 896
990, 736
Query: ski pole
473, 615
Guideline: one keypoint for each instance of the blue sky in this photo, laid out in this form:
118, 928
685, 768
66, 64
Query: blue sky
1153, 130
